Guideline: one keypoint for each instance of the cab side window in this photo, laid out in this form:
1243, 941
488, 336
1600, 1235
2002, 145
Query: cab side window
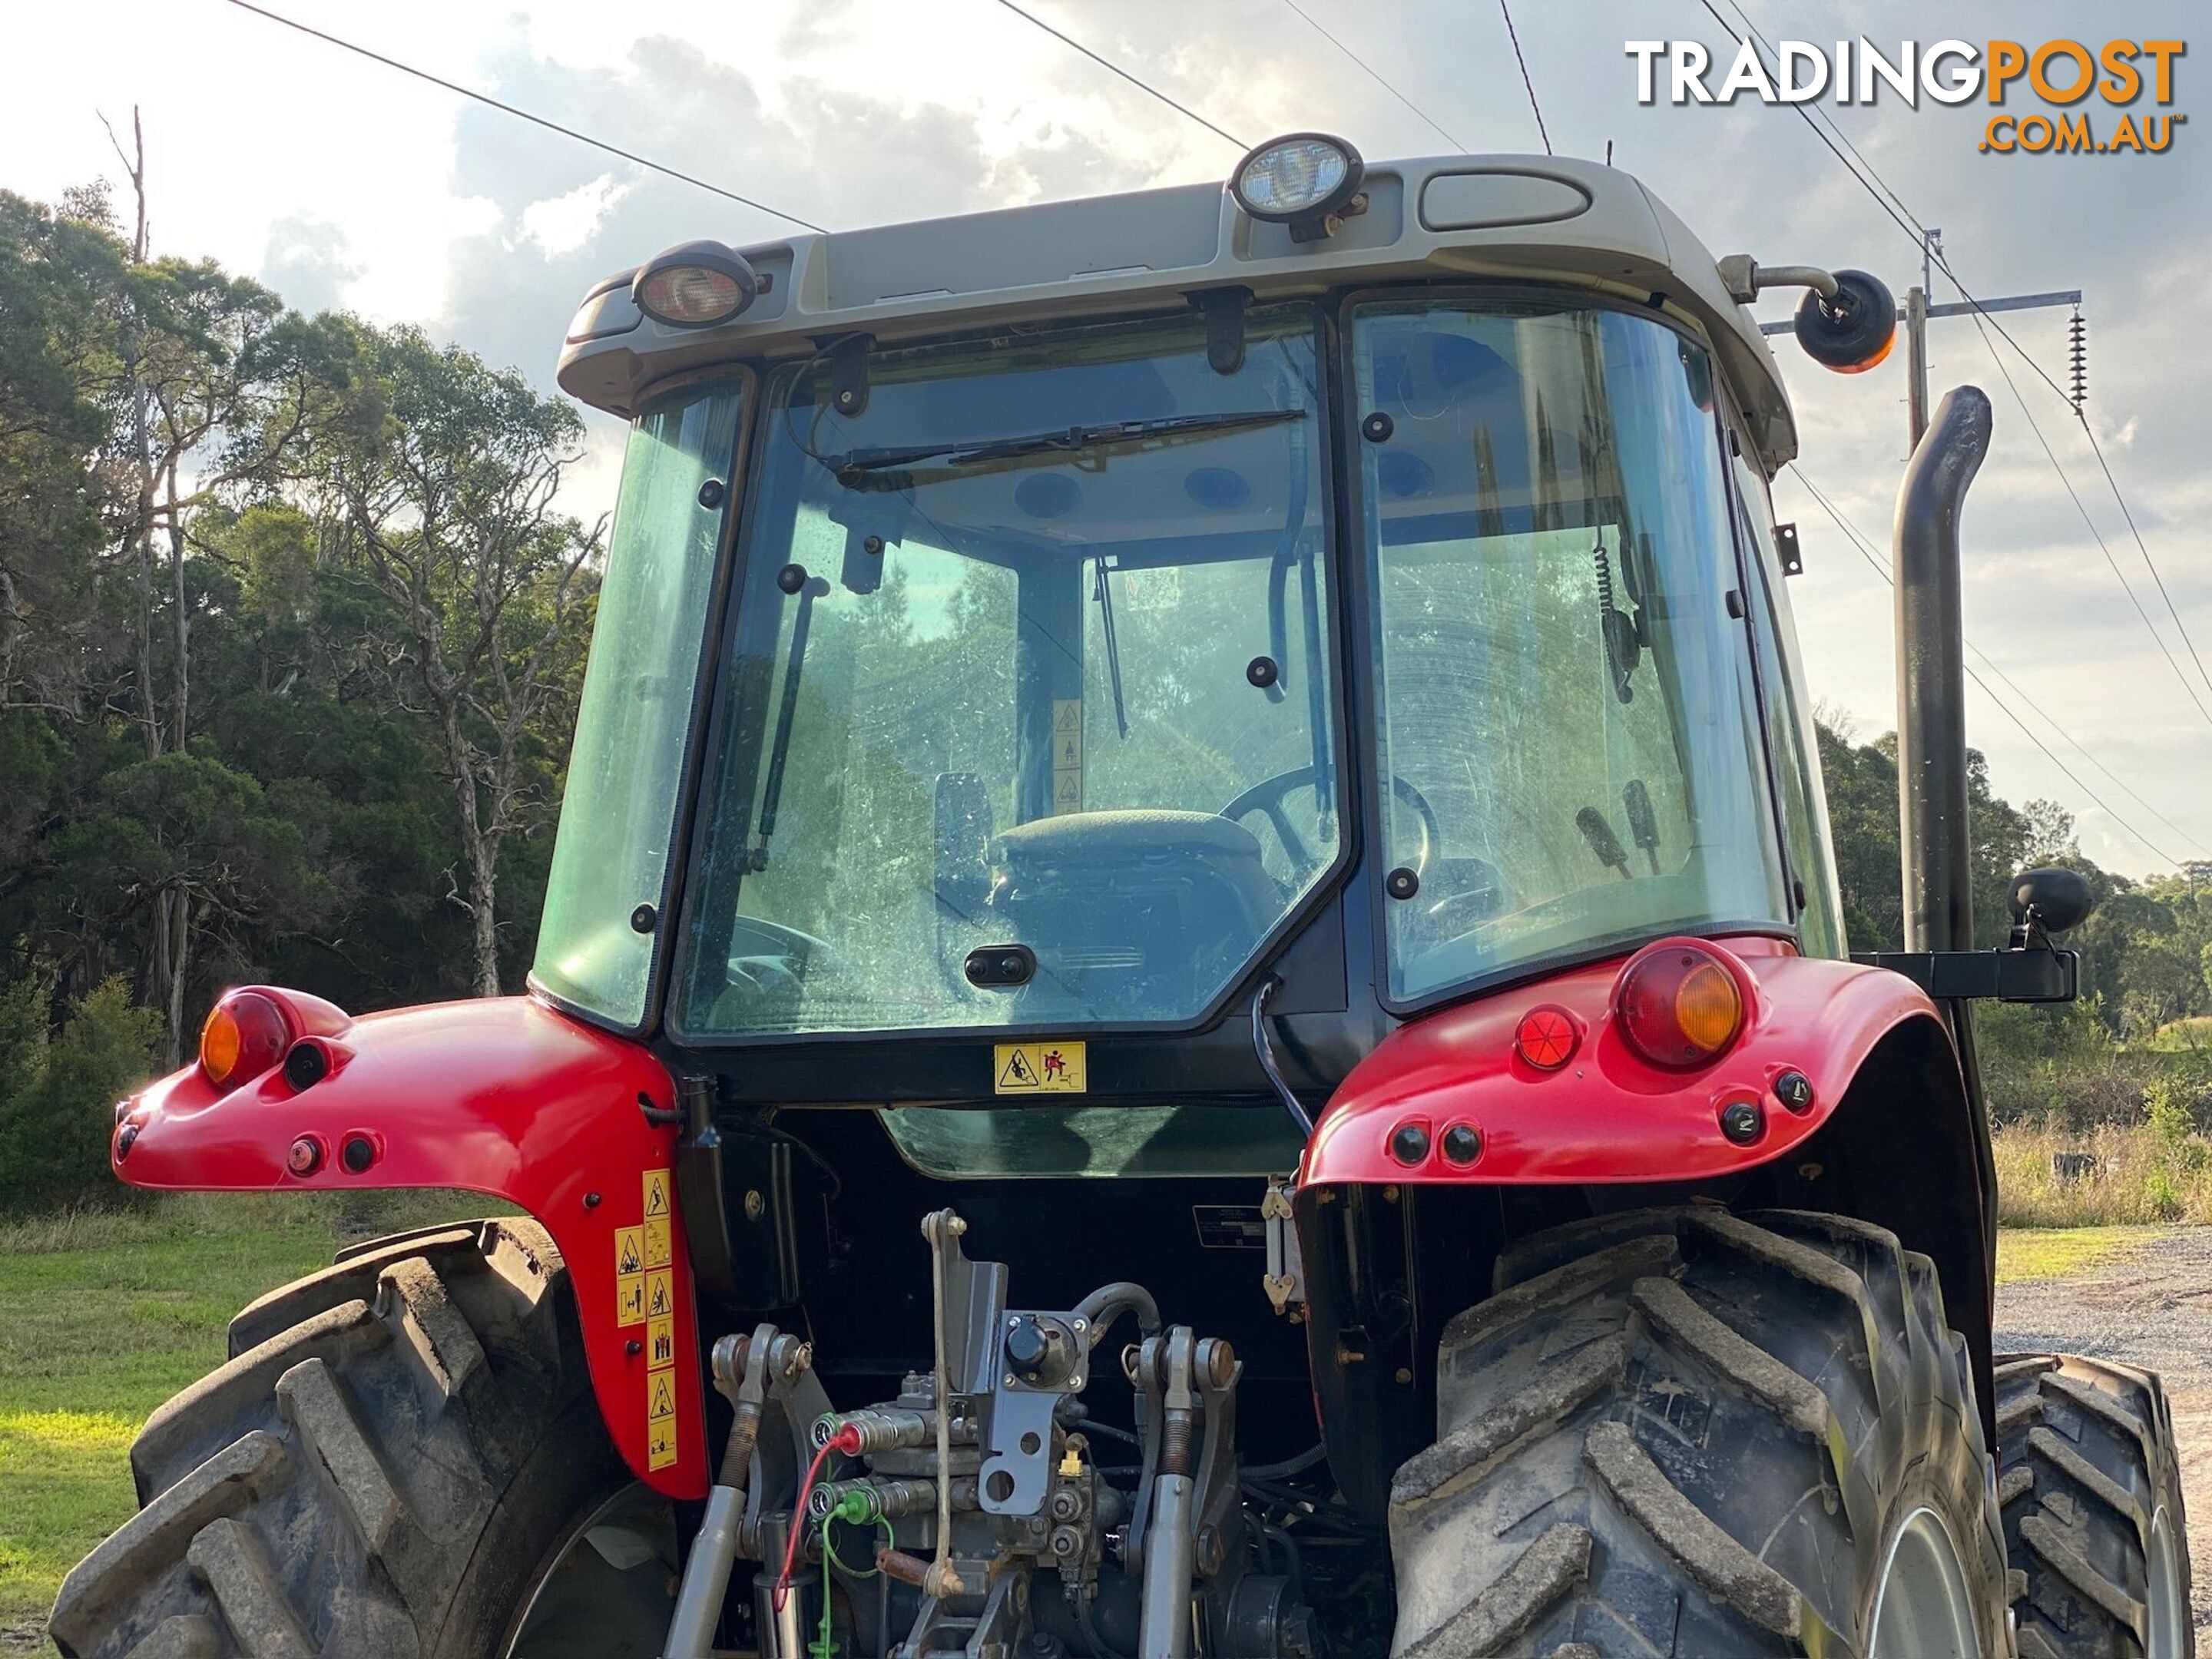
1804, 800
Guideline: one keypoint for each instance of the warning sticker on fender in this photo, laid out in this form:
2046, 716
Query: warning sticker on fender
630, 1275
1038, 1068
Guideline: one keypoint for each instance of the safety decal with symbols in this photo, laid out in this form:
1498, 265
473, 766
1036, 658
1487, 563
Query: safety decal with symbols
645, 1294
1067, 755
630, 1275
1038, 1068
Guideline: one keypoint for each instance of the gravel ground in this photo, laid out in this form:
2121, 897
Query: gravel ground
2153, 1309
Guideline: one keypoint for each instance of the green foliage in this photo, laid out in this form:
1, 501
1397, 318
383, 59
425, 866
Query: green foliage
221, 762
57, 1093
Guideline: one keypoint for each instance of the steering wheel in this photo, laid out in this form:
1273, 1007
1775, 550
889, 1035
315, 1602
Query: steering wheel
1266, 797
778, 959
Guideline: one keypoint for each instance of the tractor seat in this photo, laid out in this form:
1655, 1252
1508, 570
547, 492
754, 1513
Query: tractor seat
1141, 913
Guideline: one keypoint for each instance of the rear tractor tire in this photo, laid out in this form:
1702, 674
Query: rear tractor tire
2091, 1490
402, 1460
1685, 1432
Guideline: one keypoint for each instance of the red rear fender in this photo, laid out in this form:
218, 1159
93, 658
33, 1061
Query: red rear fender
1603, 1114
505, 1098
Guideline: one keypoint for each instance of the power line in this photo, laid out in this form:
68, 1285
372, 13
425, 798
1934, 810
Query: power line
2098, 450
2165, 650
1906, 221
1371, 75
1108, 63
523, 115
1881, 569
1514, 36
1859, 540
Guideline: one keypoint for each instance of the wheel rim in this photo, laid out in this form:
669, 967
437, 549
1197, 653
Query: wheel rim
1921, 1607
607, 1589
2162, 1571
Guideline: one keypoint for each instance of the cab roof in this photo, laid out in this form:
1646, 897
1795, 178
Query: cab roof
1517, 217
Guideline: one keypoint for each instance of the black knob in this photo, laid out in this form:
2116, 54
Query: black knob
711, 492
358, 1154
306, 1065
1742, 1121
1262, 671
791, 578
1377, 428
1794, 1090
1402, 883
1409, 1143
644, 919
1462, 1144
1029, 1349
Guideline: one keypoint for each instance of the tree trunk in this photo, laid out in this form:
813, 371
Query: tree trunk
142, 527
174, 918
480, 844
166, 992
182, 677
483, 881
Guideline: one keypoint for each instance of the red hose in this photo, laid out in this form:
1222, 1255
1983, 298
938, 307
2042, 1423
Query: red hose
846, 1440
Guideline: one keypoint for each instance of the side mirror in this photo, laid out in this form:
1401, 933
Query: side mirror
1853, 329
2049, 900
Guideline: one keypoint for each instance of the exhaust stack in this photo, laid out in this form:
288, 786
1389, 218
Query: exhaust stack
1931, 676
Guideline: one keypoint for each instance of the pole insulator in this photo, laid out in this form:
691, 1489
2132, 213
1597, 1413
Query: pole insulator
2077, 357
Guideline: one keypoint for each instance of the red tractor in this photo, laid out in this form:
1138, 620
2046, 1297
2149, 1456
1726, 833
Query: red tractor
1192, 1002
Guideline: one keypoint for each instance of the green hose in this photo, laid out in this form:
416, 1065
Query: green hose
858, 1508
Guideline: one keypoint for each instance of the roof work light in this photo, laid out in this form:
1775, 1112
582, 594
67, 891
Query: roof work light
694, 285
1303, 180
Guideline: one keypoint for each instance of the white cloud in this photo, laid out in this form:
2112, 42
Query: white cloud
345, 183
562, 224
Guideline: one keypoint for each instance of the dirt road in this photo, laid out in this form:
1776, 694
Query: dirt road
2153, 1308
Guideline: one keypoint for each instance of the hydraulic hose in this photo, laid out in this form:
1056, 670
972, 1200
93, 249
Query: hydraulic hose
1109, 1302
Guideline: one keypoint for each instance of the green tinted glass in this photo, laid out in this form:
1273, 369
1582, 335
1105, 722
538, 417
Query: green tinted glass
618, 813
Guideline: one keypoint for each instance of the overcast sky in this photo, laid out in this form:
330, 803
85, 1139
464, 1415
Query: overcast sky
341, 183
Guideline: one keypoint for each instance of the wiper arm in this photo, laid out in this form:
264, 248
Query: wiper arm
1067, 441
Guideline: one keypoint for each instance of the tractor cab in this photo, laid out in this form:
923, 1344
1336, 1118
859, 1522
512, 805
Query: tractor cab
1191, 1001
1348, 644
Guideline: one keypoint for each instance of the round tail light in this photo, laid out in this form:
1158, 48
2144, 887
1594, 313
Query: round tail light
1679, 1006
244, 1036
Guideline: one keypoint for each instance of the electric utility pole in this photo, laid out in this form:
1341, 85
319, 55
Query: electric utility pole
1917, 313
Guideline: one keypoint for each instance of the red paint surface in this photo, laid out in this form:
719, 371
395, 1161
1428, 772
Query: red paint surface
501, 1096
1607, 1116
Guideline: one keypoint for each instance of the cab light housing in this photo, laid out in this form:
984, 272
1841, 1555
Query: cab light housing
245, 1036
694, 285
1678, 1004
1301, 178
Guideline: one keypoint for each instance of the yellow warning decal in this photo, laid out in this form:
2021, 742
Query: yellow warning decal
660, 1443
656, 1194
630, 1275
659, 1395
660, 1295
1038, 1068
660, 1343
1067, 755
657, 1248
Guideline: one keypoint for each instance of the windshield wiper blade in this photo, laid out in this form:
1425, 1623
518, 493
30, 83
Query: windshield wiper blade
1070, 440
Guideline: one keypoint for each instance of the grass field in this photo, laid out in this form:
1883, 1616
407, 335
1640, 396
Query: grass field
103, 1316
2030, 1252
